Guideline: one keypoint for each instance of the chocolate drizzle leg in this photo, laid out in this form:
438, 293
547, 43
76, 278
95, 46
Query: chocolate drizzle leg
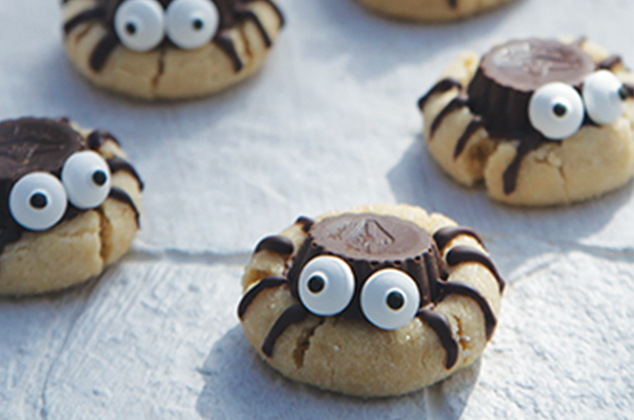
277, 244
465, 254
276, 9
262, 285
305, 222
511, 174
464, 290
225, 43
475, 124
292, 315
117, 164
455, 104
85, 16
102, 52
98, 138
123, 197
610, 62
442, 86
248, 15
444, 236
439, 323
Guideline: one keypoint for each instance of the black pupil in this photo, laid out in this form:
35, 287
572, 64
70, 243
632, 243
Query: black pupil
99, 178
623, 94
38, 201
560, 110
198, 24
395, 300
316, 284
130, 28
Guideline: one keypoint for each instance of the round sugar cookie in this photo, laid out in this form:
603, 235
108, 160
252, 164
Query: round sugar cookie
431, 10
379, 300
69, 204
541, 122
169, 49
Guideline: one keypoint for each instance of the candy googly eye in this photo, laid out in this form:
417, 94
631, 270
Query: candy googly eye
140, 24
326, 285
37, 201
604, 96
192, 23
390, 299
86, 177
556, 110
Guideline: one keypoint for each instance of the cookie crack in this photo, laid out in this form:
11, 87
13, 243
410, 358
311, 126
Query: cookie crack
159, 72
105, 231
81, 34
303, 344
463, 341
247, 43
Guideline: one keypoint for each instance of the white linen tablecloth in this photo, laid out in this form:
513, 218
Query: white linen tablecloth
330, 122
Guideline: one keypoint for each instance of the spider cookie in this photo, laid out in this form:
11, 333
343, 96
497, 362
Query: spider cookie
376, 301
542, 122
169, 49
431, 10
69, 204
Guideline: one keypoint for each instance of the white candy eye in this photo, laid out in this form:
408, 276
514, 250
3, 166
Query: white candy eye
192, 23
140, 24
37, 201
604, 95
326, 285
86, 177
390, 299
556, 110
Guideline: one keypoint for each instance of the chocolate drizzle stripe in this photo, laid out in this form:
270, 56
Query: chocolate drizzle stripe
442, 86
227, 45
444, 236
439, 323
248, 15
117, 164
292, 315
474, 125
464, 290
123, 197
98, 138
276, 9
102, 51
455, 104
610, 62
464, 254
277, 244
511, 173
249, 296
85, 16
305, 222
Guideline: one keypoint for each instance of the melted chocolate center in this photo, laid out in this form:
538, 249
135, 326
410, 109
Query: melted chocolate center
370, 242
508, 76
29, 145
